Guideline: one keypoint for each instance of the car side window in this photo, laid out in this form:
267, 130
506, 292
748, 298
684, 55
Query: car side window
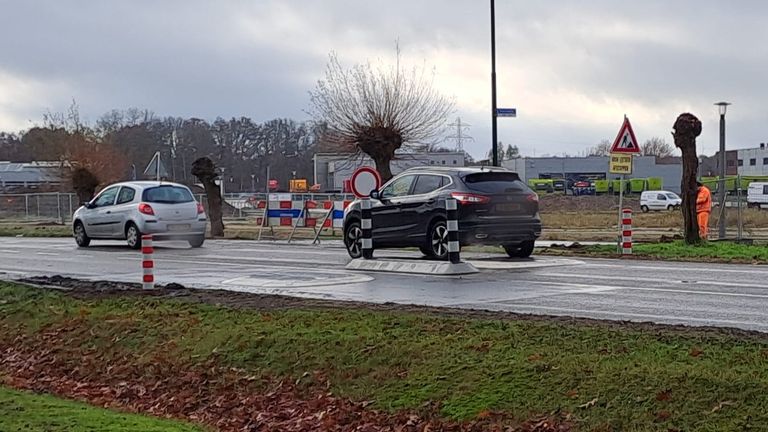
399, 187
126, 195
427, 183
662, 197
765, 190
106, 198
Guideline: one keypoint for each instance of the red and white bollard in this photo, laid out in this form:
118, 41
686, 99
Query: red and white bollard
626, 231
147, 263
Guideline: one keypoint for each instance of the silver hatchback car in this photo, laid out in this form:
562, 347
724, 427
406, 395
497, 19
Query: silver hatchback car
127, 210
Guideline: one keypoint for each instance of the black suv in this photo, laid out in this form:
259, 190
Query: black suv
495, 208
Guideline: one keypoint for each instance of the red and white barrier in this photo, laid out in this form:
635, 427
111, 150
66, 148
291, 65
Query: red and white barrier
626, 231
147, 263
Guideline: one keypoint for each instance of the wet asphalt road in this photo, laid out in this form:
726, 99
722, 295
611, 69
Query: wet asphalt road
663, 292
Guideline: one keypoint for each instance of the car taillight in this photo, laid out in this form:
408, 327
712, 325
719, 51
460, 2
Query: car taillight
200, 208
468, 198
533, 197
146, 209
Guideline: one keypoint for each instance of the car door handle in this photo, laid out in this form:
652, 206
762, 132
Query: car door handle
109, 211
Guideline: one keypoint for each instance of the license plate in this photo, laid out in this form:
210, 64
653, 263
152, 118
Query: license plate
178, 227
509, 207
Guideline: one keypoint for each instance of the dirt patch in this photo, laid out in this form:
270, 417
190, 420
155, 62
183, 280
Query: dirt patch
89, 290
553, 203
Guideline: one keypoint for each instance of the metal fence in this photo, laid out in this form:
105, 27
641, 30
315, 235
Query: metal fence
53, 206
59, 207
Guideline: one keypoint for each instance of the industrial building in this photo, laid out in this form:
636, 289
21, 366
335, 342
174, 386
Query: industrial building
31, 175
575, 169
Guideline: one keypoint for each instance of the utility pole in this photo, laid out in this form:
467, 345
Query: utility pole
460, 136
494, 137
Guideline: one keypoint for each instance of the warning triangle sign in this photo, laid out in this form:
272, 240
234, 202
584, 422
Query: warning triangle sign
156, 168
625, 141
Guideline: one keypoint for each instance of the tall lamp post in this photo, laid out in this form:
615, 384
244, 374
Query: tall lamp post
494, 133
722, 107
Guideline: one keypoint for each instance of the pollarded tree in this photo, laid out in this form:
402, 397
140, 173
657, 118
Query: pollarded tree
687, 128
377, 111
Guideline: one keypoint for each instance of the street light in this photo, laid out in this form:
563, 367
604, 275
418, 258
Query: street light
722, 107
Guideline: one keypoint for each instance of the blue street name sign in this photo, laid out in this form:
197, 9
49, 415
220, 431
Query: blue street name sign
506, 112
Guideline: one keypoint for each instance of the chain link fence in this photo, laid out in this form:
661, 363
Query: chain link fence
53, 206
59, 207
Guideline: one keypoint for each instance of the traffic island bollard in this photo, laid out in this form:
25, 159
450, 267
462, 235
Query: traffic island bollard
147, 263
452, 217
626, 231
366, 227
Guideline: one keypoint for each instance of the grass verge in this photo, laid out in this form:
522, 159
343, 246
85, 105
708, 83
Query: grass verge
24, 411
33, 230
726, 252
603, 376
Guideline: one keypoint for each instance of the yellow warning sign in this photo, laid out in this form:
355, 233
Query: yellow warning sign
621, 163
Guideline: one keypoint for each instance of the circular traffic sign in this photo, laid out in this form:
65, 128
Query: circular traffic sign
364, 180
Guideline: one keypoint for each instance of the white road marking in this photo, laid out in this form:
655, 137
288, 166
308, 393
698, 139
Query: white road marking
703, 270
703, 281
47, 253
602, 288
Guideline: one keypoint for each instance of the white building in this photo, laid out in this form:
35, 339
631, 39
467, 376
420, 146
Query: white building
752, 161
331, 169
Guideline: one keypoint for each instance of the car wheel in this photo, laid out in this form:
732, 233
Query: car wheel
670, 208
133, 236
438, 240
644, 208
522, 250
196, 242
81, 237
353, 240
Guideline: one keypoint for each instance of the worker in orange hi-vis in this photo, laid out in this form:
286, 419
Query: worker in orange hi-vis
703, 209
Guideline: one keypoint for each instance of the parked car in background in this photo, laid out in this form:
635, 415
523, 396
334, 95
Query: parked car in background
495, 208
127, 210
659, 200
757, 194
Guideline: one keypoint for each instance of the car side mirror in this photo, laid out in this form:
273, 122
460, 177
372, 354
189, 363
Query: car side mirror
374, 194
89, 205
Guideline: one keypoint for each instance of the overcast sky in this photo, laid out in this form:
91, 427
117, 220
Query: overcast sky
571, 68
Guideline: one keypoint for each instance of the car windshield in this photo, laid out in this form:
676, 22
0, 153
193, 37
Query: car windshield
672, 196
494, 182
167, 195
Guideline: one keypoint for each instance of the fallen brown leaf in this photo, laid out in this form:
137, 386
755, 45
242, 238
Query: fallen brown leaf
695, 352
664, 395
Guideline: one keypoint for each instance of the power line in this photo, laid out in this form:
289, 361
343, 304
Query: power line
461, 136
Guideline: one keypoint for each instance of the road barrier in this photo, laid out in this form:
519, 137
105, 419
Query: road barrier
452, 224
147, 263
626, 231
366, 227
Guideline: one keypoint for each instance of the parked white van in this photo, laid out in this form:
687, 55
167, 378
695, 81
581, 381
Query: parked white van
659, 200
757, 195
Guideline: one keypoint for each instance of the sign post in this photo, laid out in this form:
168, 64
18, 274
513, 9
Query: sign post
624, 146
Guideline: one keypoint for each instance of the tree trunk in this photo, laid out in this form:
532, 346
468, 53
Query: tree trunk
382, 166
687, 127
213, 193
689, 192
205, 171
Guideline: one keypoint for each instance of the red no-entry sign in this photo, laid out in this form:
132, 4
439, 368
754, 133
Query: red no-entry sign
364, 180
